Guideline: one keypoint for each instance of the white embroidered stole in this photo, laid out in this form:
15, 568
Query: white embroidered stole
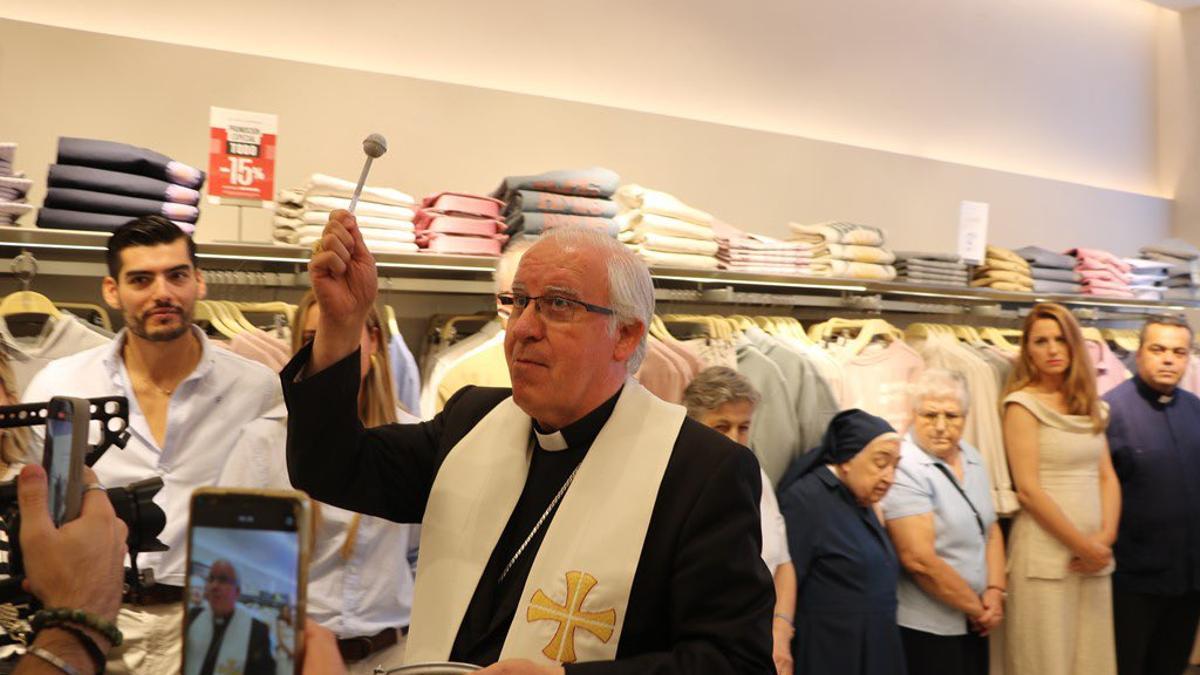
235, 643
574, 601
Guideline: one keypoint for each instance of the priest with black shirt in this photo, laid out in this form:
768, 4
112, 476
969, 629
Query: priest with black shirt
575, 523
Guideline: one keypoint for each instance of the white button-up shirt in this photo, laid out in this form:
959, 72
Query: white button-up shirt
357, 596
206, 418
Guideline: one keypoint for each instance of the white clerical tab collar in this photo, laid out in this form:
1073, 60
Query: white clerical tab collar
553, 441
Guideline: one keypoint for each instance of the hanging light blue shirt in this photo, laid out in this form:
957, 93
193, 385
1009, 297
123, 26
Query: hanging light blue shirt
921, 488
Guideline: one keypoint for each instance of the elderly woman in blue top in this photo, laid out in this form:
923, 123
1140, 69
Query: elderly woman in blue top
846, 568
940, 517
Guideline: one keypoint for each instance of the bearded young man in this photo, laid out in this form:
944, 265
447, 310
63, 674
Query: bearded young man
188, 404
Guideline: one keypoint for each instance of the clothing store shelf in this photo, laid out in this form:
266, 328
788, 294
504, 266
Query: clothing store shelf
893, 294
72, 253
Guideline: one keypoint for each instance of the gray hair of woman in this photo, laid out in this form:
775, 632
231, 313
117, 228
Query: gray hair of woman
714, 387
939, 383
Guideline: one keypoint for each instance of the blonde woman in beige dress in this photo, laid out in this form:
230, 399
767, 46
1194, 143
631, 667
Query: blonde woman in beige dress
1060, 553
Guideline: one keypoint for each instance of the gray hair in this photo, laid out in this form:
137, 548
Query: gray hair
714, 387
630, 289
939, 383
506, 267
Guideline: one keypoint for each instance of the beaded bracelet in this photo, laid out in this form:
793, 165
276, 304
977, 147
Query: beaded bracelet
48, 618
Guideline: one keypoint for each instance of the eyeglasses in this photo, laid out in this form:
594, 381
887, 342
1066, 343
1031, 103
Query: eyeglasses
948, 418
554, 308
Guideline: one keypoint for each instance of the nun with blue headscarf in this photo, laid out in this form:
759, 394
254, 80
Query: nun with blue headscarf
846, 568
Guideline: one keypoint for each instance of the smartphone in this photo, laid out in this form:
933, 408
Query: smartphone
65, 448
247, 569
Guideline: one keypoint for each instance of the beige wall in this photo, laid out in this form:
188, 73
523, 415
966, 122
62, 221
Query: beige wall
1180, 117
1056, 88
446, 136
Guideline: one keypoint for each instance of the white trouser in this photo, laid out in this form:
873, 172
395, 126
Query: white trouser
153, 642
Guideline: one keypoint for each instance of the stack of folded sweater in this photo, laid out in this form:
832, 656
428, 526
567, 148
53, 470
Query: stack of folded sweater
385, 215
289, 207
1148, 278
1183, 259
1003, 270
534, 204
936, 269
759, 254
99, 185
846, 250
664, 231
1104, 274
455, 223
1052, 272
13, 187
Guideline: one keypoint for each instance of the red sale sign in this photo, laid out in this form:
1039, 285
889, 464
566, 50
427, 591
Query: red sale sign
241, 154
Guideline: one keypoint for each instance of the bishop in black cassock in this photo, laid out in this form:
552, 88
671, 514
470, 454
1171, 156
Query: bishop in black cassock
700, 599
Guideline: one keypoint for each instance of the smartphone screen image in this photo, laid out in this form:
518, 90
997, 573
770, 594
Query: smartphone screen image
57, 462
63, 454
243, 597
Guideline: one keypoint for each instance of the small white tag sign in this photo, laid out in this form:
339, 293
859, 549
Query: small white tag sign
972, 232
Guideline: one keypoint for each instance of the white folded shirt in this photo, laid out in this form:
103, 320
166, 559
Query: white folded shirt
665, 243
293, 196
866, 254
640, 224
658, 258
838, 233
288, 223
368, 233
322, 217
374, 245
321, 184
637, 198
324, 203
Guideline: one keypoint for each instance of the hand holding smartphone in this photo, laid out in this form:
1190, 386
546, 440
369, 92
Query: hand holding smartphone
247, 569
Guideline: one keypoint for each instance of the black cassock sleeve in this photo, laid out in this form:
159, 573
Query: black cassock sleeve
387, 471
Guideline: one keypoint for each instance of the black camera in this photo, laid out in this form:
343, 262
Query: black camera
67, 421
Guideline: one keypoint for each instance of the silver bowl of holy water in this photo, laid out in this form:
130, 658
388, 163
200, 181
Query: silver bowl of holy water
444, 668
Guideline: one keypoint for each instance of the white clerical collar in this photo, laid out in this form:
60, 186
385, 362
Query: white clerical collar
553, 442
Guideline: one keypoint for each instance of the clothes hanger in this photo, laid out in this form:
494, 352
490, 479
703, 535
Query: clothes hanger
105, 320
206, 312
997, 337
968, 334
742, 321
235, 315
868, 330
274, 307
25, 301
389, 317
710, 329
658, 329
764, 322
1124, 338
28, 302
449, 332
